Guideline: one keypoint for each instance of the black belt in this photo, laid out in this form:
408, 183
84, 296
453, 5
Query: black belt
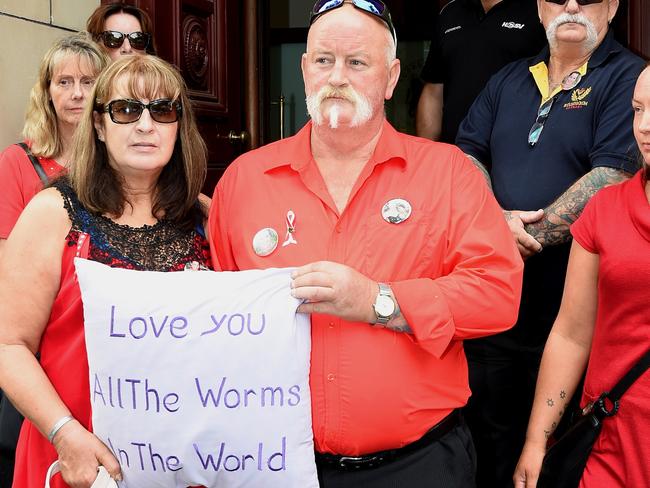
378, 458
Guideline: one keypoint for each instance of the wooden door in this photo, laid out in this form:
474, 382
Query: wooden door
638, 22
204, 39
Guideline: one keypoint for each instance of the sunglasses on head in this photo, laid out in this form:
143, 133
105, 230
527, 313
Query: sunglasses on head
114, 39
374, 7
128, 111
580, 2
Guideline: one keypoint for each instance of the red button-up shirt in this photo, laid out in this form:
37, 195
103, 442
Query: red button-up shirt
452, 265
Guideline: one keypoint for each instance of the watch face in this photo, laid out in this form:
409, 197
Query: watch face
384, 306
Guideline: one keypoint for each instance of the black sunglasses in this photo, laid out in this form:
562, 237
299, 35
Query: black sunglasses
374, 7
163, 110
114, 39
580, 2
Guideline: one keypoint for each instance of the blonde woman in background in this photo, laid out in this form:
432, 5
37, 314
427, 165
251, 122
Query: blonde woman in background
66, 77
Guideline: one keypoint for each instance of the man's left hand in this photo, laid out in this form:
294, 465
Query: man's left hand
335, 289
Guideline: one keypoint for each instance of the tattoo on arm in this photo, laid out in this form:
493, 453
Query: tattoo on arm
481, 167
553, 228
398, 323
562, 406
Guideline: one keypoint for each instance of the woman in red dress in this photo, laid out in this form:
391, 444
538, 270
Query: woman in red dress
131, 200
65, 79
603, 326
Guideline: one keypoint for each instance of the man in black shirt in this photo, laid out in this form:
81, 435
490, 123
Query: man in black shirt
472, 40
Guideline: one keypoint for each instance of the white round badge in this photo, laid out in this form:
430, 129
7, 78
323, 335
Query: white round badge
396, 211
265, 241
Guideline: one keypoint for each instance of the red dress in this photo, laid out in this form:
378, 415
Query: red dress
19, 183
616, 226
63, 348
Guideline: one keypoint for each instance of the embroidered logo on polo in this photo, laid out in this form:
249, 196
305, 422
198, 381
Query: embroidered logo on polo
578, 97
512, 25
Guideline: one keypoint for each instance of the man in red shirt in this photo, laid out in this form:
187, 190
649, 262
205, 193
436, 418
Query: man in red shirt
402, 252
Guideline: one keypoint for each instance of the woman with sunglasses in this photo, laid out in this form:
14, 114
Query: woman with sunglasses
603, 328
66, 77
122, 30
130, 200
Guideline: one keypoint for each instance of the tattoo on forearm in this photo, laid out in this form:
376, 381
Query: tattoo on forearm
481, 167
551, 402
553, 228
398, 324
401, 328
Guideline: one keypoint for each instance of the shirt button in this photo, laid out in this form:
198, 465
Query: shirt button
337, 229
331, 325
330, 377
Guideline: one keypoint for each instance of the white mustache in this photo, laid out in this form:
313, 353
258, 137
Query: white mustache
566, 18
363, 109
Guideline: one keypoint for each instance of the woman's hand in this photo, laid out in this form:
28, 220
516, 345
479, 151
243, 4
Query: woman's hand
80, 454
529, 465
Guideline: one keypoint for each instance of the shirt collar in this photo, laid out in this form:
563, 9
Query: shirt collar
295, 151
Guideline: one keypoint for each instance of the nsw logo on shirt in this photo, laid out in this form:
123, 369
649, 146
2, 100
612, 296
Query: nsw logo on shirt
512, 25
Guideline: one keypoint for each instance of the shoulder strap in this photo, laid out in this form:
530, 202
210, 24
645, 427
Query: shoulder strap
37, 165
632, 375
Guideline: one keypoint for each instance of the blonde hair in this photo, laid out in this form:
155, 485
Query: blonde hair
98, 186
41, 127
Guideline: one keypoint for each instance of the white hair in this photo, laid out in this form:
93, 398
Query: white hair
391, 48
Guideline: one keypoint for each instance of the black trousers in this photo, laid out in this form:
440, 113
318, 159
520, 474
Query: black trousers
449, 462
503, 387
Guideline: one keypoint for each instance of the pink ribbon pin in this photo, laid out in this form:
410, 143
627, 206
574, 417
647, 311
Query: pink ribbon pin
291, 228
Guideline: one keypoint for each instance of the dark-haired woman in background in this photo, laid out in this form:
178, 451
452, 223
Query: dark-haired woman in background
122, 30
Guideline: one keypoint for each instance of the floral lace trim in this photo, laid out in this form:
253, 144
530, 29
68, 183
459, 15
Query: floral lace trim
158, 247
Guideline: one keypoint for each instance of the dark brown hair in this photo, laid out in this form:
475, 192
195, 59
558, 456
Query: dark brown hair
95, 23
99, 186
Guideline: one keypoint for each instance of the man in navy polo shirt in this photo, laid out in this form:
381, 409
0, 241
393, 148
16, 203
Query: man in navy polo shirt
472, 40
548, 132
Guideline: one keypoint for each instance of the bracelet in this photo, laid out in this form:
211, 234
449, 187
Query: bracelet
60, 423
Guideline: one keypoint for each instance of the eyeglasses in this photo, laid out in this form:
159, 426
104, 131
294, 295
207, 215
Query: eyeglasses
374, 7
580, 2
163, 110
538, 126
115, 39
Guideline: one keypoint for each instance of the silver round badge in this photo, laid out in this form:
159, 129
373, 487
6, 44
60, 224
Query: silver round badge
396, 211
265, 241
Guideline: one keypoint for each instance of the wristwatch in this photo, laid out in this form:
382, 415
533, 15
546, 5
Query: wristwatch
384, 305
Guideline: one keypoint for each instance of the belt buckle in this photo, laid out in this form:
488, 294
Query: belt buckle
357, 461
